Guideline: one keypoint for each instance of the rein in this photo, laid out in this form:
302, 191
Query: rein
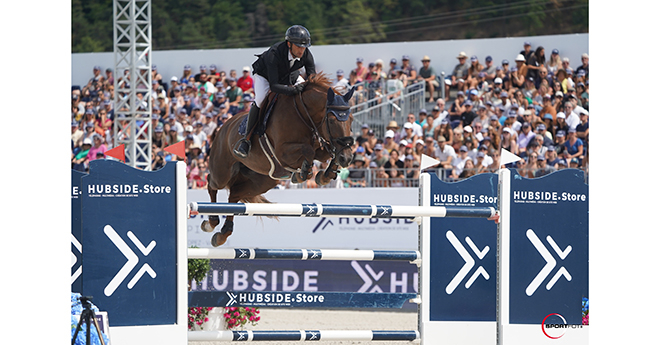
327, 145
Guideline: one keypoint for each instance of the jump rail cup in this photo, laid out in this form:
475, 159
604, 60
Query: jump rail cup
334, 210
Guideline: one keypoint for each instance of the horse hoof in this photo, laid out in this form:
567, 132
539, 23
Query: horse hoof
219, 238
295, 178
206, 226
319, 179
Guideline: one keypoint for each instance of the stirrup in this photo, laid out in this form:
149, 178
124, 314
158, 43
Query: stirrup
242, 148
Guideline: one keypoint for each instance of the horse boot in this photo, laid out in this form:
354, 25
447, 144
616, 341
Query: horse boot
242, 147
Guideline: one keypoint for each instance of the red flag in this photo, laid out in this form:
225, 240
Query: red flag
117, 152
178, 149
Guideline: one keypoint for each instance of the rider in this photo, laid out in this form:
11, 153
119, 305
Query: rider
278, 70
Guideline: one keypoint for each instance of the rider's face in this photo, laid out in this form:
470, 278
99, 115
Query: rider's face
296, 51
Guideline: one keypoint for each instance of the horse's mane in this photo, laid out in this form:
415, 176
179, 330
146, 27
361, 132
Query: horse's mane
320, 79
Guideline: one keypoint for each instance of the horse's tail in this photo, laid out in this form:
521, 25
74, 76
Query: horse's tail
259, 199
256, 199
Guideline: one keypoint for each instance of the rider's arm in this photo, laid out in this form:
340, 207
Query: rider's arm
272, 69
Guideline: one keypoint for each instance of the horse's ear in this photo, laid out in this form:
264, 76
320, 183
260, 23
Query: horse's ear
349, 94
331, 96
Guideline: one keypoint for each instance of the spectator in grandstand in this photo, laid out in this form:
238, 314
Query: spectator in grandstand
364, 135
468, 115
543, 168
388, 143
234, 96
527, 50
445, 154
394, 162
459, 162
444, 130
525, 136
394, 127
411, 171
437, 115
341, 84
378, 156
427, 74
393, 66
554, 62
80, 160
457, 108
458, 75
585, 65
572, 118
473, 72
187, 73
574, 147
417, 128
490, 69
535, 62
202, 70
360, 70
566, 64
357, 173
409, 133
407, 68
370, 144
98, 148
518, 75
582, 129
245, 82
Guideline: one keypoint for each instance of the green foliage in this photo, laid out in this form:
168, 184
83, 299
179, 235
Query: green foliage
198, 268
211, 24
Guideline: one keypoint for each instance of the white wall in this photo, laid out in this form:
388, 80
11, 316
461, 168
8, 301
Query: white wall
329, 58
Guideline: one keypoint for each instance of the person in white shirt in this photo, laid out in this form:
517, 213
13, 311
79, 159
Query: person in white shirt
341, 84
572, 118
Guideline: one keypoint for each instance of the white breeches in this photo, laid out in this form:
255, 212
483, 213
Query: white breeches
262, 87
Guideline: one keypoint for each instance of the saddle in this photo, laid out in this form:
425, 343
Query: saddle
277, 170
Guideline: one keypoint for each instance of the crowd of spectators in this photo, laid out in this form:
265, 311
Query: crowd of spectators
536, 108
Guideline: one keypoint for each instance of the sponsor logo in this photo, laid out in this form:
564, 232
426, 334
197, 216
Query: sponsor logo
131, 260
125, 190
469, 262
554, 326
546, 197
463, 199
550, 263
365, 224
74, 258
273, 298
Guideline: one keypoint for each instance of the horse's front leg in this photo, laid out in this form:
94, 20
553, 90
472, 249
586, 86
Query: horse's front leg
298, 156
329, 174
304, 174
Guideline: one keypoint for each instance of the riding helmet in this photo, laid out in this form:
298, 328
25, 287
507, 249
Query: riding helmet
299, 36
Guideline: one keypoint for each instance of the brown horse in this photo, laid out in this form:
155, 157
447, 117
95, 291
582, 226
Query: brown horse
314, 125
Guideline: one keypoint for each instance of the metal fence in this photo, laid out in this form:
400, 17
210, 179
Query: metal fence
378, 103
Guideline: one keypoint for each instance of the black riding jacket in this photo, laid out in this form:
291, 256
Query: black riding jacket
273, 64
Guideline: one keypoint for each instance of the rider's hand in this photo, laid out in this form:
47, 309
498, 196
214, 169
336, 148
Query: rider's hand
298, 88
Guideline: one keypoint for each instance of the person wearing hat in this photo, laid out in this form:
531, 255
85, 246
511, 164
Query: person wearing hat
554, 62
584, 67
234, 96
520, 73
407, 68
543, 168
457, 77
76, 135
445, 153
357, 172
582, 129
394, 127
525, 136
490, 69
79, 162
278, 70
427, 74
187, 74
574, 147
473, 72
341, 84
98, 148
245, 82
360, 70
527, 50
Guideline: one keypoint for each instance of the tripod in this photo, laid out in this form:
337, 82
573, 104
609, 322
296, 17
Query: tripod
87, 316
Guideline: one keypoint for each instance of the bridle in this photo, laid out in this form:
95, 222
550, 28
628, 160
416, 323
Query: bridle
342, 143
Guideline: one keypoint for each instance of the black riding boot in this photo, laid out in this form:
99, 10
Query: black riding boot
242, 147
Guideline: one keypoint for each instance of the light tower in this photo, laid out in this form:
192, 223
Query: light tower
133, 97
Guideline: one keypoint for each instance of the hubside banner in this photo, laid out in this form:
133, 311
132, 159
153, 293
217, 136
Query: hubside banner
309, 232
311, 276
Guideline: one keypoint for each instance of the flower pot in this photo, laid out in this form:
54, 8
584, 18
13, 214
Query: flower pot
216, 321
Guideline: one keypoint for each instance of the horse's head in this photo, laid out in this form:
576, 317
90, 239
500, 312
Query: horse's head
338, 126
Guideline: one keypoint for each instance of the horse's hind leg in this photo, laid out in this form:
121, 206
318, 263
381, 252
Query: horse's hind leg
213, 221
250, 186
